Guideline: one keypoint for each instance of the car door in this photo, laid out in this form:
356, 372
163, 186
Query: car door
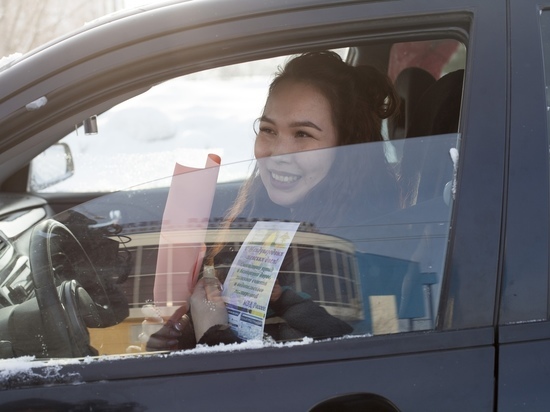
523, 331
448, 364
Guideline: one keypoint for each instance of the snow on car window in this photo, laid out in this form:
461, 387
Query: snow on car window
29, 370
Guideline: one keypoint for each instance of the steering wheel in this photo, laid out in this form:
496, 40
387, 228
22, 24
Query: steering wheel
65, 280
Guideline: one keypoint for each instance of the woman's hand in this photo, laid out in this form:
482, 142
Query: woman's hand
166, 338
207, 306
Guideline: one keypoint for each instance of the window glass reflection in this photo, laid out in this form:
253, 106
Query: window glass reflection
360, 261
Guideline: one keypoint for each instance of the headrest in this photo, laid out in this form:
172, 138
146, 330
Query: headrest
438, 110
410, 85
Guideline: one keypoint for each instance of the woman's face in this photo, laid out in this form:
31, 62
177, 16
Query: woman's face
296, 118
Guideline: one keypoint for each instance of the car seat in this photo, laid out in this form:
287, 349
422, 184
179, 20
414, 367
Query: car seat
410, 85
437, 113
410, 267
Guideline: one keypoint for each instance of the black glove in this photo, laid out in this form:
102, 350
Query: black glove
176, 333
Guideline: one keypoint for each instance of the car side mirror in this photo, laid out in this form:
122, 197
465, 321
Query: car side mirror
53, 165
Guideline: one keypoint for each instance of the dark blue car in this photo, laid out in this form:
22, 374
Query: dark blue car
444, 298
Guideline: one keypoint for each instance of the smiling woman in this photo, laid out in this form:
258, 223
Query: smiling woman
308, 108
296, 118
318, 101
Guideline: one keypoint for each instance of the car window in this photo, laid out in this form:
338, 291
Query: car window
437, 57
365, 255
179, 120
186, 117
123, 264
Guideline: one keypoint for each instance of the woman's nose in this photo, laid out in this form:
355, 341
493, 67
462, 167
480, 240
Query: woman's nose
283, 146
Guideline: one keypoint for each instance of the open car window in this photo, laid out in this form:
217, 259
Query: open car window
364, 255
181, 120
109, 272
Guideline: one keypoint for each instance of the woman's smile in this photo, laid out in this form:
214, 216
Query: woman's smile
284, 179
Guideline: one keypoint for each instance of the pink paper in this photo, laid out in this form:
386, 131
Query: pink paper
183, 231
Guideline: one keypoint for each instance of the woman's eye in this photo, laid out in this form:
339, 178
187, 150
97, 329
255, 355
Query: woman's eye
266, 130
301, 133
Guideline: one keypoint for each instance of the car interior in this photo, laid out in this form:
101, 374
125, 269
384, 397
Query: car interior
91, 259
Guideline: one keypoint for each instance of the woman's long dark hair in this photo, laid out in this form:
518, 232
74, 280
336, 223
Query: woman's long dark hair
360, 98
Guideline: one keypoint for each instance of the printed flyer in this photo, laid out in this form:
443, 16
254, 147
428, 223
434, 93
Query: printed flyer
252, 275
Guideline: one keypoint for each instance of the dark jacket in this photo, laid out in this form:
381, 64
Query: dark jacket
297, 316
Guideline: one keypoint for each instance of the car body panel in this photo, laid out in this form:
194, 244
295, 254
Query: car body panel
358, 367
525, 344
480, 357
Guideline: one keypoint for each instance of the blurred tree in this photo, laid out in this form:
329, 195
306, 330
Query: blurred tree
26, 24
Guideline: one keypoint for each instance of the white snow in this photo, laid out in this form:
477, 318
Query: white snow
6, 61
37, 104
28, 367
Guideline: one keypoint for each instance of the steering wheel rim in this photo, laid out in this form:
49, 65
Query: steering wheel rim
64, 331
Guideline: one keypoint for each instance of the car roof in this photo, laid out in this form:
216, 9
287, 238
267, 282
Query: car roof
172, 15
